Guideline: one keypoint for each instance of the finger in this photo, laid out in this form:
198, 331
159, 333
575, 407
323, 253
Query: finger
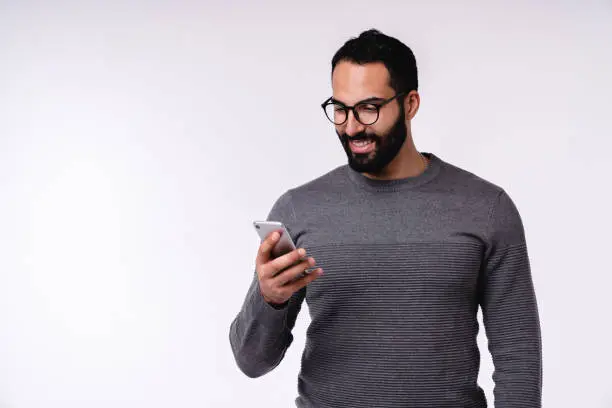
303, 281
294, 272
282, 263
265, 248
285, 261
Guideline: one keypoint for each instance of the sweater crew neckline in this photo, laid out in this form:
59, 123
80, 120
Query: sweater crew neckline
432, 170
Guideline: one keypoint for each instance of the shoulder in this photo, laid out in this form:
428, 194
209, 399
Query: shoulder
458, 180
330, 180
326, 188
311, 192
468, 183
493, 201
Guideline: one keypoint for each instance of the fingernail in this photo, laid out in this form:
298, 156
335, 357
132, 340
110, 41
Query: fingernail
302, 251
275, 236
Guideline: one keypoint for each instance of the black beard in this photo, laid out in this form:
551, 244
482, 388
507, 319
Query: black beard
385, 148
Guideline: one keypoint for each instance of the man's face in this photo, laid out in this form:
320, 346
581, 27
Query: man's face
353, 83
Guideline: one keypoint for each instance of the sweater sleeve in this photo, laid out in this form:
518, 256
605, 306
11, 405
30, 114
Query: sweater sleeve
261, 334
510, 311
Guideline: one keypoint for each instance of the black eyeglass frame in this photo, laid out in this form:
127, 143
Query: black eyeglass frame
377, 105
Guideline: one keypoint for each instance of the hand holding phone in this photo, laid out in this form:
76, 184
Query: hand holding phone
284, 244
281, 276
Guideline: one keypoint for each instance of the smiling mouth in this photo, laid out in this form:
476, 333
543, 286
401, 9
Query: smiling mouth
362, 146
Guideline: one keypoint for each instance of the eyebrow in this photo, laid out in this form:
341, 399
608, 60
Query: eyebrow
370, 99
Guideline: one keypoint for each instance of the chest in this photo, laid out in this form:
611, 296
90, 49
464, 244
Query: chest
391, 257
398, 274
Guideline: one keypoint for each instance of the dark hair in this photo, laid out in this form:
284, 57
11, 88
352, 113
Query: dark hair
374, 46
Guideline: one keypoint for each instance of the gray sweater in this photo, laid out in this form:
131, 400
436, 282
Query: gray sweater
406, 265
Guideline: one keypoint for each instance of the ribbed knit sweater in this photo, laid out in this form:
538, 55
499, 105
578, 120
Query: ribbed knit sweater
406, 265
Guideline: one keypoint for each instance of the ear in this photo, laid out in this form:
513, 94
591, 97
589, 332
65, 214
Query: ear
412, 101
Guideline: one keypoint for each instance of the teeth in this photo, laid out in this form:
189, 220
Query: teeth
362, 142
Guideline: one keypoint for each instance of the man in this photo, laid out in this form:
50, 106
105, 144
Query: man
410, 247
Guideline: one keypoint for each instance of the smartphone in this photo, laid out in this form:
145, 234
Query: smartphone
284, 245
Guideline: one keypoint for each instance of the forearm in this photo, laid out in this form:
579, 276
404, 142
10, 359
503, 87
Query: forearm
260, 334
517, 358
512, 324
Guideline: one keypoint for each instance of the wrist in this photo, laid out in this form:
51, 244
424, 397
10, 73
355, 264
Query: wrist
275, 305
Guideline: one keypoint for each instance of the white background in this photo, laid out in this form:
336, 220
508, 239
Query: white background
139, 140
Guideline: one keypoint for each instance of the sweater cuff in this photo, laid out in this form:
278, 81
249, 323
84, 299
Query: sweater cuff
266, 314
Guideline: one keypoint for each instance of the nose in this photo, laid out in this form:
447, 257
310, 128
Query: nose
353, 126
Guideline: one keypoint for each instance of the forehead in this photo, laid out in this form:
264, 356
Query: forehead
353, 82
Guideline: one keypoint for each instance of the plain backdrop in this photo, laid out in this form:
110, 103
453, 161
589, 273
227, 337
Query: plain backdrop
139, 140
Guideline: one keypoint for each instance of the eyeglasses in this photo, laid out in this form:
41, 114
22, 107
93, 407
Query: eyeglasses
365, 112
